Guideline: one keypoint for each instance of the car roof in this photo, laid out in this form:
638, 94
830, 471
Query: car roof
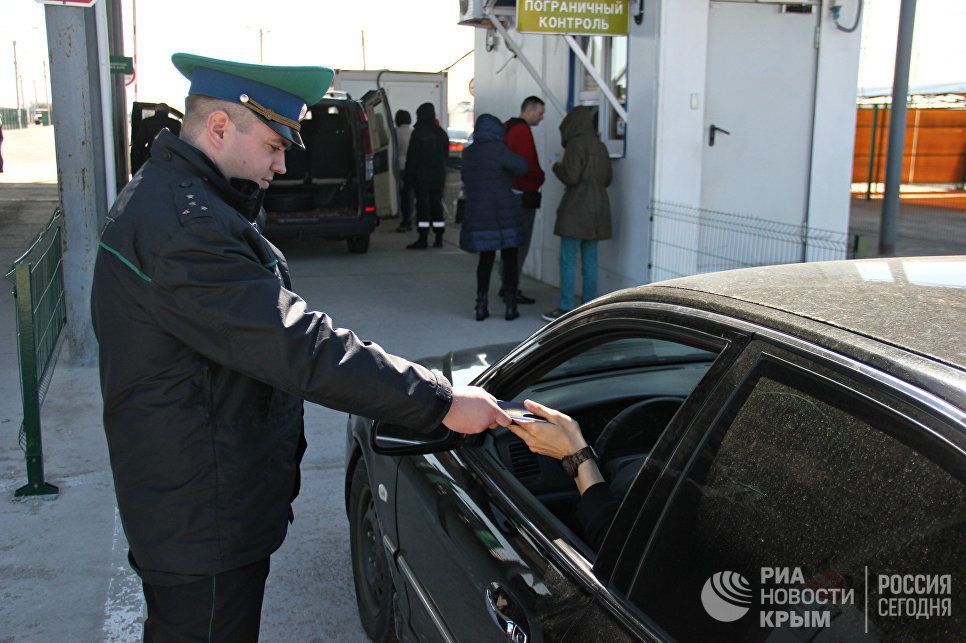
912, 305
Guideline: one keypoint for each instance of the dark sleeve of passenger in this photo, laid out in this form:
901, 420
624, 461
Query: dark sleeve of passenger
595, 511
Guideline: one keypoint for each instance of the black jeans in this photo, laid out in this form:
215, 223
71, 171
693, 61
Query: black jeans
224, 607
510, 270
406, 203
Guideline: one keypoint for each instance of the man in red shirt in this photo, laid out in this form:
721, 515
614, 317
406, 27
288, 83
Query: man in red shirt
526, 187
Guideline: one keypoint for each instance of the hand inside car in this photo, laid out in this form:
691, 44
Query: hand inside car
558, 438
474, 411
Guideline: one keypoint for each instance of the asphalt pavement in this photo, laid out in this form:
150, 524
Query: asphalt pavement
62, 560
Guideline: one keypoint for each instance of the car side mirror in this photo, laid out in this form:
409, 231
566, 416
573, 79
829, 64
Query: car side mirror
395, 439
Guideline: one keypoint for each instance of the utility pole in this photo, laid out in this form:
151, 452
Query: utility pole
134, 37
46, 86
115, 40
364, 49
888, 228
16, 82
23, 98
79, 139
261, 45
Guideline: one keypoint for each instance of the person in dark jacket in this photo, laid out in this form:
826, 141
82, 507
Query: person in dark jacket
561, 438
492, 218
426, 172
583, 216
206, 354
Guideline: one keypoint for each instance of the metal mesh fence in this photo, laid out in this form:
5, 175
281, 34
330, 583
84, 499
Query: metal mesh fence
686, 240
38, 280
8, 115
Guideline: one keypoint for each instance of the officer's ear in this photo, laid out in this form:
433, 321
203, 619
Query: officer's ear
216, 126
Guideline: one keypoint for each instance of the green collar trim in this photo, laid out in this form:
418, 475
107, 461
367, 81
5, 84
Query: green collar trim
272, 263
125, 261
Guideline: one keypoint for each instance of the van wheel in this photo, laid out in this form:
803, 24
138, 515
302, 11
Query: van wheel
358, 244
370, 566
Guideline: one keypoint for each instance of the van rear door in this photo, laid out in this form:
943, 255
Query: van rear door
385, 165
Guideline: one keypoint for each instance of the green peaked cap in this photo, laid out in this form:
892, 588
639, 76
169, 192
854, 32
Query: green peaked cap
308, 82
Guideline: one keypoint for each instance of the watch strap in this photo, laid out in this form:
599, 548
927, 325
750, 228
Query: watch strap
572, 462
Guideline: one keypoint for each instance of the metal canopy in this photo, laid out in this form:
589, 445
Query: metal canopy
517, 51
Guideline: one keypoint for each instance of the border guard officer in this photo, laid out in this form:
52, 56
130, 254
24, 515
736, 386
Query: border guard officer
206, 354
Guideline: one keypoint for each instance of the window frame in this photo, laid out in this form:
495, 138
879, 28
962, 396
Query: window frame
930, 418
578, 95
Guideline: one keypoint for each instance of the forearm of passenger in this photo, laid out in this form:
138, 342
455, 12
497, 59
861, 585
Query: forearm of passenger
588, 474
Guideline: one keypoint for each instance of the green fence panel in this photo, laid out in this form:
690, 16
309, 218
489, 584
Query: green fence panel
38, 279
9, 117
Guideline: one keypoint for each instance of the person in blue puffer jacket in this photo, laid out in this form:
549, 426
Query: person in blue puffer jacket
492, 219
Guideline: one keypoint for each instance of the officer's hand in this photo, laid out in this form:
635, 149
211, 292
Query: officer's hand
474, 411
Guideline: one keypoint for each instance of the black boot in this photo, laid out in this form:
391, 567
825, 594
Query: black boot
510, 298
482, 312
438, 243
420, 243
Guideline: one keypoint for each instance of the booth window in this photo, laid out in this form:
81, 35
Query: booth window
608, 55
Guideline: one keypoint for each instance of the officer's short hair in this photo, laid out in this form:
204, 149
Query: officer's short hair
198, 108
530, 100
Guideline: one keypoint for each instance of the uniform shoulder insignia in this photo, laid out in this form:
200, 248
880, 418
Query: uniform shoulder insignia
191, 199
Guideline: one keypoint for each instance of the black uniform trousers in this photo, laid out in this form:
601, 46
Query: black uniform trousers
224, 607
429, 209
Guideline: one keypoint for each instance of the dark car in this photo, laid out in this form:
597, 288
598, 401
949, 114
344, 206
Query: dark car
788, 445
458, 140
147, 121
340, 185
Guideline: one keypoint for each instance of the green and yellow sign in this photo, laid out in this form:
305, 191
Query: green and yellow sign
579, 17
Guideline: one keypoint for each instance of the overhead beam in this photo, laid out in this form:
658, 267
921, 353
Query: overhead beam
517, 52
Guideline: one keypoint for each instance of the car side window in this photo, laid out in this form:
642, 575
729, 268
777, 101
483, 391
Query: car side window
803, 497
623, 393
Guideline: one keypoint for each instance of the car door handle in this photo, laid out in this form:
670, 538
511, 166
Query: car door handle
711, 132
499, 606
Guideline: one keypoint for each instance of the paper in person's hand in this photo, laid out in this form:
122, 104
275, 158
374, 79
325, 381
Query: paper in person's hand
518, 414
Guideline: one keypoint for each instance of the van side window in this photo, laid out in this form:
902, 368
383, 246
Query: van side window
799, 494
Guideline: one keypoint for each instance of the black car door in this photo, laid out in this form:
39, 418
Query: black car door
813, 499
487, 539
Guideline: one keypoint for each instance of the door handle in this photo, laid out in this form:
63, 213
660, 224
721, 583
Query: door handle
499, 606
711, 132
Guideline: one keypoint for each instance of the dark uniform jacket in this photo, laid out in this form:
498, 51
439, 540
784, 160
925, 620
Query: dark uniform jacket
205, 357
428, 151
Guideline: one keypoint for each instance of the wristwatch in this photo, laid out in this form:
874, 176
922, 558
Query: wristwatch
572, 462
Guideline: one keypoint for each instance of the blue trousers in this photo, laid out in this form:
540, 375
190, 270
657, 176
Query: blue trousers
568, 270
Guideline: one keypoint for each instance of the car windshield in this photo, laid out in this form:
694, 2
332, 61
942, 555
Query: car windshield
628, 353
458, 134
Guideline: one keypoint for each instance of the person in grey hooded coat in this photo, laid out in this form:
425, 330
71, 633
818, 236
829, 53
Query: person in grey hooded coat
583, 216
